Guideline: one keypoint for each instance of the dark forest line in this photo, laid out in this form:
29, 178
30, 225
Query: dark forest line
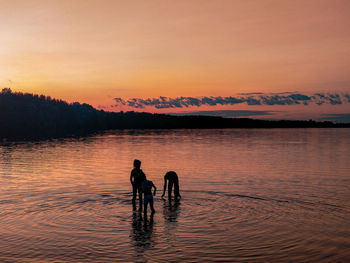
25, 116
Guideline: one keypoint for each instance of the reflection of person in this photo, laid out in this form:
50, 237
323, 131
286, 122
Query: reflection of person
141, 233
171, 210
171, 213
136, 178
173, 180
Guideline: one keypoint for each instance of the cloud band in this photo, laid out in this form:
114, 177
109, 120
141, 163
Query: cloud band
250, 99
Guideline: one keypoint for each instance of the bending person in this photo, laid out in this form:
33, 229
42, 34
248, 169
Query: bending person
173, 181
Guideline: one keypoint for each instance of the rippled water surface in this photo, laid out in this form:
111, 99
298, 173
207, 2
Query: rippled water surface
278, 195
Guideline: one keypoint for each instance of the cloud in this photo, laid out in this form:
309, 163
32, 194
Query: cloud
285, 98
340, 117
227, 113
251, 93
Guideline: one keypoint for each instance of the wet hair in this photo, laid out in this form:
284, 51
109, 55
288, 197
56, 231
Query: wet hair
137, 163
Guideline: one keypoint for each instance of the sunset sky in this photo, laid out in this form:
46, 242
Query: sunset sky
96, 51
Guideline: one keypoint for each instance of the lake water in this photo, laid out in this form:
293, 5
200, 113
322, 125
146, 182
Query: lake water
258, 195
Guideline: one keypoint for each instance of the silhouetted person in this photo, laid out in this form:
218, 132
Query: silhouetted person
173, 181
136, 178
148, 198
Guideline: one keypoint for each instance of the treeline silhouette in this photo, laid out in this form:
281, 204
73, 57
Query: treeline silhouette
25, 116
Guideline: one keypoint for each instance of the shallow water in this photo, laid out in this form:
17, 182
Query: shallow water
278, 195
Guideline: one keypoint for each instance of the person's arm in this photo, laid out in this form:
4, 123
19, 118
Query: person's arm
155, 189
164, 188
143, 175
131, 178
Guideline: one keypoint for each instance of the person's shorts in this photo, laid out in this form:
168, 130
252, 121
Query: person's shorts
148, 198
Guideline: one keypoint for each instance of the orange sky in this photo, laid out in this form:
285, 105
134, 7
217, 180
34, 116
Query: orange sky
93, 51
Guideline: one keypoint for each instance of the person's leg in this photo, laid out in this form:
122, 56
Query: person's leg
140, 194
134, 190
170, 189
145, 205
151, 205
176, 191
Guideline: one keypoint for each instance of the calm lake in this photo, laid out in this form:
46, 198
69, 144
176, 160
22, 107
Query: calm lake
257, 195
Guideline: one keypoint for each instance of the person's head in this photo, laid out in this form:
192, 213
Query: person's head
137, 163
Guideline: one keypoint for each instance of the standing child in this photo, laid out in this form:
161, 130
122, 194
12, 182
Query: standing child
148, 197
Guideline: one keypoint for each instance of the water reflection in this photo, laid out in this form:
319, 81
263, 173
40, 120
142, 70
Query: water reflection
6, 155
171, 210
142, 232
283, 193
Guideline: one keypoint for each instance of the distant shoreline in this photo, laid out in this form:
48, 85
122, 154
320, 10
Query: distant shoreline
26, 117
